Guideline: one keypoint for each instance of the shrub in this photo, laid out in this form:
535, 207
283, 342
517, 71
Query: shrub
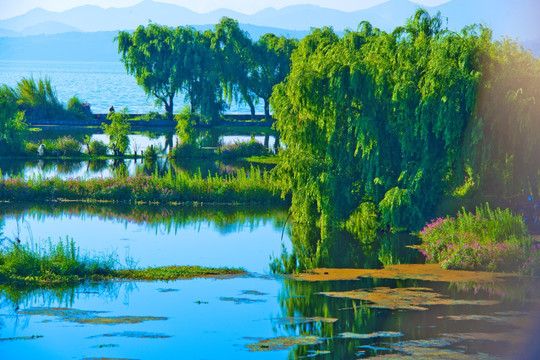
153, 116
79, 110
184, 150
243, 149
118, 131
98, 148
64, 146
151, 153
491, 240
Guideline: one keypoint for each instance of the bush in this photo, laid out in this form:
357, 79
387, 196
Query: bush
185, 150
64, 146
79, 110
98, 148
153, 116
488, 240
150, 153
243, 149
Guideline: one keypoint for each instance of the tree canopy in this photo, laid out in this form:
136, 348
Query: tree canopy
380, 126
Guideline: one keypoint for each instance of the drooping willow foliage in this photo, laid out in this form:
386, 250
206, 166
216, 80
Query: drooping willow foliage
379, 126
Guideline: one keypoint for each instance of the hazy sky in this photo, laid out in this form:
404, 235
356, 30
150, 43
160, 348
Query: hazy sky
10, 8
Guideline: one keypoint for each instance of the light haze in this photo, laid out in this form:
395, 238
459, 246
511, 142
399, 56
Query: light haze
11, 8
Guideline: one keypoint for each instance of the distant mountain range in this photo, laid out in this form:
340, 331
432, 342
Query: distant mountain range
86, 33
517, 18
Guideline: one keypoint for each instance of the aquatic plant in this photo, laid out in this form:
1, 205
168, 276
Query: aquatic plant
492, 240
64, 263
181, 188
243, 149
64, 146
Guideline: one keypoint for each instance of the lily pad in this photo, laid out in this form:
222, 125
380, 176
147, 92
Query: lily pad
253, 292
379, 334
22, 338
428, 272
113, 320
304, 320
167, 290
134, 334
88, 317
413, 298
283, 343
241, 300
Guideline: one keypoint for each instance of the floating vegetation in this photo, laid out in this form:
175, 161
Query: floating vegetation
105, 346
167, 290
241, 300
114, 320
253, 292
201, 302
102, 358
22, 338
304, 320
379, 334
283, 343
88, 317
413, 298
430, 349
427, 272
133, 334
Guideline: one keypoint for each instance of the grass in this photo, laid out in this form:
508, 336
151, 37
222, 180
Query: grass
254, 187
489, 240
63, 263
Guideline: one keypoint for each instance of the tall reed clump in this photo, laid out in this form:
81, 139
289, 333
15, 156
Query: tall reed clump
54, 262
252, 187
490, 240
243, 149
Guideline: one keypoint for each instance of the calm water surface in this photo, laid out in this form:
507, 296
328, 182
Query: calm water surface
101, 84
227, 318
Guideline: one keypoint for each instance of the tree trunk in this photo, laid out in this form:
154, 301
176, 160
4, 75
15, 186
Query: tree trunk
267, 110
169, 108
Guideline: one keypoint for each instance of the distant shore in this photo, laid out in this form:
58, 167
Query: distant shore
98, 119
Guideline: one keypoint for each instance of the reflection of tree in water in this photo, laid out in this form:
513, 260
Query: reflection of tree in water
303, 299
164, 218
344, 250
96, 166
68, 167
119, 168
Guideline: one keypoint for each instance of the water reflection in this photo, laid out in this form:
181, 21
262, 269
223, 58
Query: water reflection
156, 235
161, 139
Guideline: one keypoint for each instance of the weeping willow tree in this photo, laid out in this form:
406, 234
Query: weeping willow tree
379, 126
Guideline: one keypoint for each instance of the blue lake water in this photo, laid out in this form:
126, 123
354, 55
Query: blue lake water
101, 84
226, 318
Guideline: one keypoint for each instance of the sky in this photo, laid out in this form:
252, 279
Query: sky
11, 8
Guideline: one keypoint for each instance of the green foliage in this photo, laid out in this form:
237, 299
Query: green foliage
79, 110
272, 56
63, 263
98, 148
399, 120
55, 262
243, 149
363, 223
151, 153
251, 187
65, 146
183, 151
185, 126
118, 131
153, 116
492, 240
13, 127
38, 99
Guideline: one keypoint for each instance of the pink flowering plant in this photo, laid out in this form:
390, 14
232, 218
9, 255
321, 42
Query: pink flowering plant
488, 240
